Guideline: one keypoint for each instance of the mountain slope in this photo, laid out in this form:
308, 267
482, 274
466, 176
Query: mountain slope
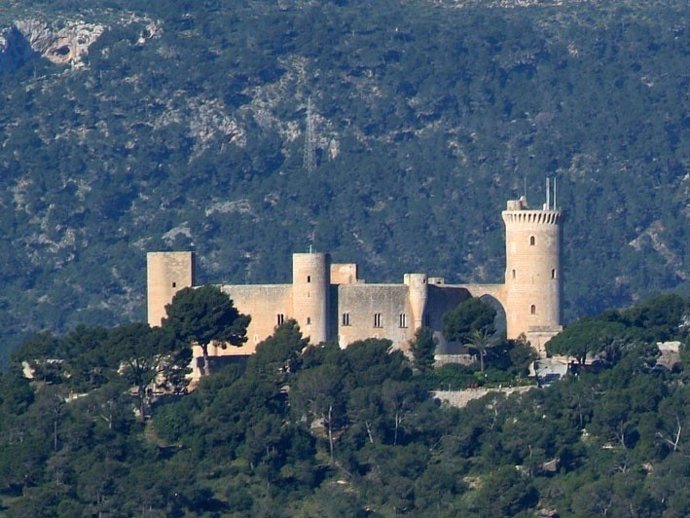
182, 126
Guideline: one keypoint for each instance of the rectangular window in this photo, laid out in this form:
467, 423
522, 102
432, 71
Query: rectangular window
308, 321
378, 321
403, 320
346, 319
281, 319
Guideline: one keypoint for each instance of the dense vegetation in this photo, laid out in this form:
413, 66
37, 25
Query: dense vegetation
185, 129
304, 430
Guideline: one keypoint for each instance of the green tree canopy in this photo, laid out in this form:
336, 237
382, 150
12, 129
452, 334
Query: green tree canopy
423, 349
204, 315
585, 337
470, 316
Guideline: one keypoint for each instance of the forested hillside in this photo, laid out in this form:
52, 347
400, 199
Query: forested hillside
304, 430
183, 126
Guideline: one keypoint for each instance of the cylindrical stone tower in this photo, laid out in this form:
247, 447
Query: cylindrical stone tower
533, 271
310, 286
166, 274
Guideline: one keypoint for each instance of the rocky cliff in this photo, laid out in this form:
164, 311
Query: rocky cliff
33, 38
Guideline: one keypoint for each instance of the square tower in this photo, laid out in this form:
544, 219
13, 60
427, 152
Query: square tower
166, 274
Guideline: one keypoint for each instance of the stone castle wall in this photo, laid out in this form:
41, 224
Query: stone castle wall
374, 311
330, 302
267, 304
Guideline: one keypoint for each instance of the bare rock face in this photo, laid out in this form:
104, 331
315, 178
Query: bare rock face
33, 38
64, 46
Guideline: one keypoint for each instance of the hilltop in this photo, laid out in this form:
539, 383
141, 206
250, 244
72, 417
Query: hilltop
305, 430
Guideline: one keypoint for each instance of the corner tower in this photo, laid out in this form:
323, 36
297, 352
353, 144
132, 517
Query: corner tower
533, 270
166, 274
311, 281
418, 295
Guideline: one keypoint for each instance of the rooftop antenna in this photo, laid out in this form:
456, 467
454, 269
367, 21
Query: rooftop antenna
309, 160
555, 207
524, 187
547, 205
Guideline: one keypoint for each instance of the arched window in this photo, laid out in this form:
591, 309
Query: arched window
533, 310
532, 240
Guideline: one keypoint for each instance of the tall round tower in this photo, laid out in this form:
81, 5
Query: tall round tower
533, 271
311, 279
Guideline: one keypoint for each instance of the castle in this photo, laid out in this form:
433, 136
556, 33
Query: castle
331, 302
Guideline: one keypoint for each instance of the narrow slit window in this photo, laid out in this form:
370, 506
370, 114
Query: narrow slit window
174, 285
553, 274
308, 278
533, 310
346, 319
280, 318
513, 274
378, 320
403, 320
308, 321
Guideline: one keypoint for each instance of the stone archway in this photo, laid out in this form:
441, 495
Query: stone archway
500, 322
493, 294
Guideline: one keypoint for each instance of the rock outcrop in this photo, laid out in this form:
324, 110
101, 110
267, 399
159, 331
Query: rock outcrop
34, 38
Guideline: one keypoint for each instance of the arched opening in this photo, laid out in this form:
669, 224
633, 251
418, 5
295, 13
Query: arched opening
452, 345
532, 241
533, 310
443, 300
500, 319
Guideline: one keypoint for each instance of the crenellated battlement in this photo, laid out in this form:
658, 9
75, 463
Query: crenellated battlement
537, 217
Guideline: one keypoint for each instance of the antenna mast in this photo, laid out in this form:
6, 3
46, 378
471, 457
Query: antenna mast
309, 160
